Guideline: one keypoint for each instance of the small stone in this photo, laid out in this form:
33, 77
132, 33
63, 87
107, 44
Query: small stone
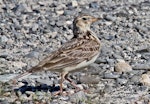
141, 28
108, 23
18, 64
145, 66
17, 102
145, 79
122, 67
100, 60
110, 61
135, 79
120, 60
33, 54
60, 12
7, 94
29, 92
3, 39
45, 81
78, 97
64, 98
35, 27
20, 84
74, 3
24, 97
94, 5
89, 79
122, 81
60, 23
68, 22
111, 75
4, 102
117, 56
110, 18
4, 55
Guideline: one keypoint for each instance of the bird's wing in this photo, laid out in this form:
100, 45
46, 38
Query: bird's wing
70, 54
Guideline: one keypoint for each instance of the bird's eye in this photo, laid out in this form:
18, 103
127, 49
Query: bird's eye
84, 18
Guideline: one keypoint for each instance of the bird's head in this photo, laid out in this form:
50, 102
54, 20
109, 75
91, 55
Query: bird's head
83, 22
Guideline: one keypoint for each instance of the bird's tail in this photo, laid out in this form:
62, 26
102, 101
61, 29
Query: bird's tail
21, 75
27, 73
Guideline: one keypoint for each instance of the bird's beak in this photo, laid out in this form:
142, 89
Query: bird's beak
95, 19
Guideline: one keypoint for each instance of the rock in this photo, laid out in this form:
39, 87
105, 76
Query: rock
122, 81
59, 23
141, 28
6, 77
135, 79
45, 81
60, 12
145, 79
35, 27
143, 49
4, 102
3, 39
111, 75
89, 79
24, 97
18, 64
100, 60
68, 22
145, 66
122, 67
74, 3
33, 54
109, 17
110, 61
108, 23
4, 55
78, 97
94, 5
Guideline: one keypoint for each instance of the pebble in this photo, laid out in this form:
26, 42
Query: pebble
111, 75
110, 18
121, 81
45, 81
89, 79
4, 102
60, 12
78, 97
145, 66
94, 5
3, 39
122, 67
145, 79
33, 54
141, 28
74, 3
59, 23
18, 64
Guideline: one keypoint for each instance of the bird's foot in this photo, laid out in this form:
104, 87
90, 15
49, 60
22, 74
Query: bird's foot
63, 93
84, 90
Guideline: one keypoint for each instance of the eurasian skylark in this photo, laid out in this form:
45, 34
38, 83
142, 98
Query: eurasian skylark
79, 52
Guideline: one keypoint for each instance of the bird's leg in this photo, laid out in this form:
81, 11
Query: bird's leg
75, 85
71, 82
61, 84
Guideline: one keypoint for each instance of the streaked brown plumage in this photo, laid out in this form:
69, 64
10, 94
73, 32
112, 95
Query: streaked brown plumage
79, 52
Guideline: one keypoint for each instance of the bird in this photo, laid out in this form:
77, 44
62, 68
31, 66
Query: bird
82, 50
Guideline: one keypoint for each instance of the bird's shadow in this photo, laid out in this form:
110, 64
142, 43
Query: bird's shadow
41, 87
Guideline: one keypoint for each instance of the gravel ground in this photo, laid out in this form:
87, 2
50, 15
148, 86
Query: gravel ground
31, 29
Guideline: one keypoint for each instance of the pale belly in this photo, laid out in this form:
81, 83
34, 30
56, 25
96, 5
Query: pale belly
80, 65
